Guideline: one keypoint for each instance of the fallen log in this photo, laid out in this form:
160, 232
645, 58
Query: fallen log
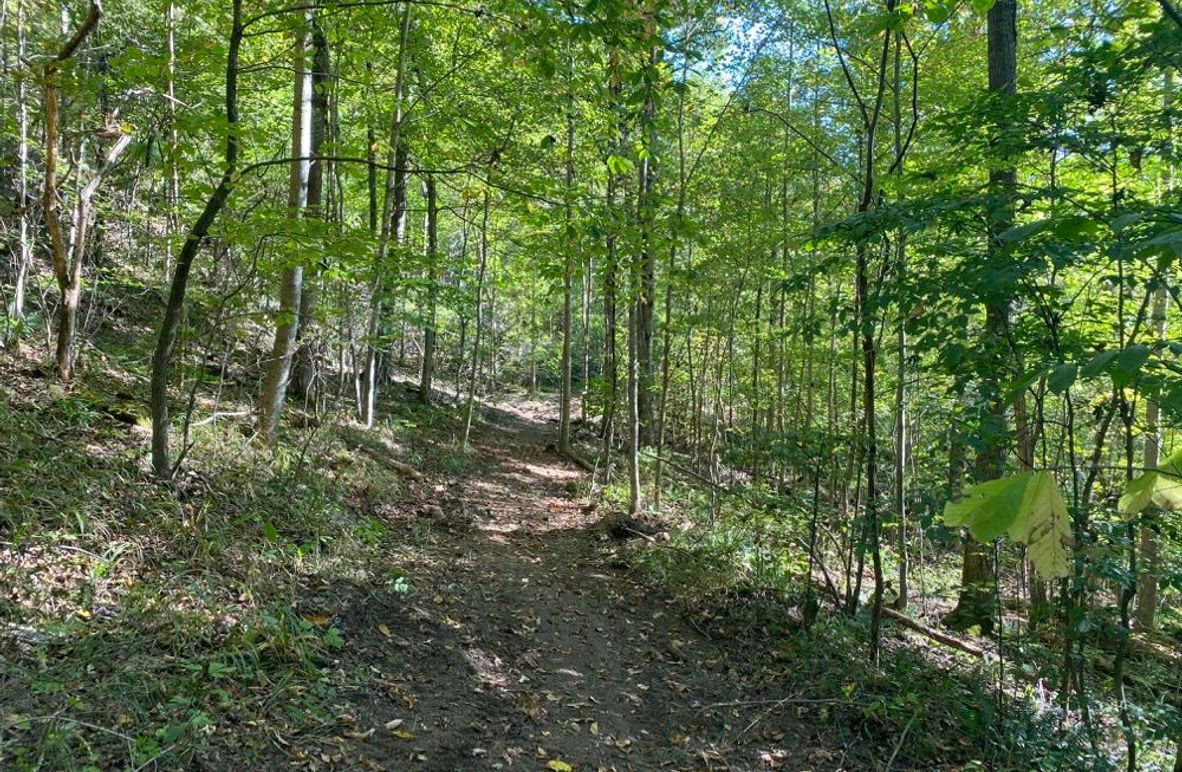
392, 464
379, 453
933, 633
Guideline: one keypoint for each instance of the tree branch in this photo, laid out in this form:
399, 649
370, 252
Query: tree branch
88, 25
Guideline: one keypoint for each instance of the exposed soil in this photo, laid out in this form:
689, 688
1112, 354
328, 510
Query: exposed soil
526, 644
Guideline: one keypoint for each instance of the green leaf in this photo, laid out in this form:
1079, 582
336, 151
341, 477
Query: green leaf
1044, 527
1016, 387
1124, 221
1020, 232
1027, 507
1129, 361
1138, 493
1161, 486
618, 164
1061, 378
937, 12
1098, 363
988, 509
1076, 228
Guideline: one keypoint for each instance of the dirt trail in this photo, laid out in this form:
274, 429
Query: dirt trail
525, 646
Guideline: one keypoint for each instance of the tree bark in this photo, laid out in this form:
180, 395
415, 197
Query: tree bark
24, 251
1149, 546
162, 358
568, 271
426, 381
975, 603
390, 220
323, 204
174, 179
871, 114
67, 258
303, 146
646, 212
477, 334
900, 355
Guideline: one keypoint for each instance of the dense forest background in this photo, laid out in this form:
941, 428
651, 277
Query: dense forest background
857, 316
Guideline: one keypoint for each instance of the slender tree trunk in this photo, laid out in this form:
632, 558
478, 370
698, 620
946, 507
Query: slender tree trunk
323, 203
371, 167
174, 178
1149, 542
900, 353
169, 327
867, 323
646, 212
610, 279
67, 258
463, 342
635, 502
390, 219
482, 265
426, 382
587, 288
568, 270
975, 603
610, 333
291, 284
24, 251
666, 326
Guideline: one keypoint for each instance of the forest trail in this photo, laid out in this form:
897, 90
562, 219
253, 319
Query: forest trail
525, 645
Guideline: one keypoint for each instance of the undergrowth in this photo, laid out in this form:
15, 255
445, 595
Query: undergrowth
187, 624
740, 565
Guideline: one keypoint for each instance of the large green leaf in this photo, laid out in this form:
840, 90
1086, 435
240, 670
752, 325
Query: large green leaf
988, 509
1043, 527
1028, 508
1161, 486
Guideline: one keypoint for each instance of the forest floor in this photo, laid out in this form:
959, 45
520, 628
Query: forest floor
386, 600
527, 643
355, 600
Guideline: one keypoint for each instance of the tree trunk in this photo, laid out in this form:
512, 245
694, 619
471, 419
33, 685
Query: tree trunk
24, 251
900, 354
1149, 546
666, 326
975, 603
67, 259
162, 357
174, 178
323, 204
390, 218
646, 212
635, 502
611, 375
427, 379
568, 271
291, 285
482, 265
866, 322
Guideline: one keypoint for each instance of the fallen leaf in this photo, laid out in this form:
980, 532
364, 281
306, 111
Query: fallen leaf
558, 765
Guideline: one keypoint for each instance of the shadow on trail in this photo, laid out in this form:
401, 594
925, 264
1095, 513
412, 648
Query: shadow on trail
523, 644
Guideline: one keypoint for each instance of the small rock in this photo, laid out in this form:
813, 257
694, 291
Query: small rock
431, 510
